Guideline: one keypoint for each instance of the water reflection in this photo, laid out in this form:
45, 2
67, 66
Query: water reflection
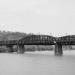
37, 63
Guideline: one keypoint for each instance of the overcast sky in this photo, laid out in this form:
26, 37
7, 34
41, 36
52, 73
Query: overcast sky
38, 16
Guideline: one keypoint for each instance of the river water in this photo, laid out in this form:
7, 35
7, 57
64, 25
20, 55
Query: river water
37, 63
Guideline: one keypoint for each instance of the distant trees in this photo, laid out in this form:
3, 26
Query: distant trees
7, 35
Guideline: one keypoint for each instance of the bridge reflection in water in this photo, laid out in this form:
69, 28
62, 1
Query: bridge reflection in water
40, 40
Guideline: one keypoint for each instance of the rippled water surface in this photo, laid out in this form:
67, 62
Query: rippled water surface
37, 63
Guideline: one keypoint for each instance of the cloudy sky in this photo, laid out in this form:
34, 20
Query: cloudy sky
38, 16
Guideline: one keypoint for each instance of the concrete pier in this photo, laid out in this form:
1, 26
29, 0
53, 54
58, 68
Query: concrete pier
21, 49
58, 49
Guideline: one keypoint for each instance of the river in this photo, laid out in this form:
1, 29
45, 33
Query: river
37, 63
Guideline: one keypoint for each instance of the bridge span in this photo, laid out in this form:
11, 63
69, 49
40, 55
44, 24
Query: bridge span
40, 40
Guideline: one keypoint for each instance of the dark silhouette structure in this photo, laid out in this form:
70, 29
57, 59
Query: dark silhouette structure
40, 40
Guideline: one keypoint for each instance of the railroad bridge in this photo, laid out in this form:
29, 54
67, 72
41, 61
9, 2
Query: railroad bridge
40, 40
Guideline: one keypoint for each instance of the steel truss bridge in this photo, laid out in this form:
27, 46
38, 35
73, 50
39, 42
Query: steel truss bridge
40, 40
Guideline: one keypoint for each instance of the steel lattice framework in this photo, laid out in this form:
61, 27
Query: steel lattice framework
41, 40
37, 40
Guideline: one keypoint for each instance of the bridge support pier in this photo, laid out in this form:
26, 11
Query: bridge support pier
58, 49
21, 49
10, 48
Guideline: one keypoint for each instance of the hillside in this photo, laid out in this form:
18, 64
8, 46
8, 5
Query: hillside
11, 35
